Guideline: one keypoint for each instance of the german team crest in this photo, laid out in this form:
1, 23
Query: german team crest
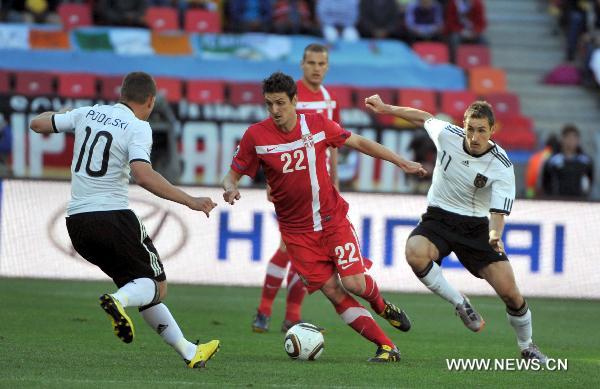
480, 180
308, 140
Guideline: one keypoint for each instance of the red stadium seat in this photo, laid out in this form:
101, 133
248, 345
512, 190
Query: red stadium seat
4, 82
34, 84
199, 20
170, 88
162, 18
423, 99
342, 95
504, 103
515, 133
454, 103
485, 79
76, 85
205, 91
110, 87
386, 94
432, 52
245, 93
469, 56
75, 15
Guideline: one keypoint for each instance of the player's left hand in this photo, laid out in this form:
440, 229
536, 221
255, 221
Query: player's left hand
497, 244
412, 167
231, 196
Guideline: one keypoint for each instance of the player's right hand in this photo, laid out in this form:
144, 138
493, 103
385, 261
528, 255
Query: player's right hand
412, 167
231, 195
375, 104
204, 204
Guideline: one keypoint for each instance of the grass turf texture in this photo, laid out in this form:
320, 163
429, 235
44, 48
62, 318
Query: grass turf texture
53, 334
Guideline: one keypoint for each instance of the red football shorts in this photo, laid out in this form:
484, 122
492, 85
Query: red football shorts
318, 255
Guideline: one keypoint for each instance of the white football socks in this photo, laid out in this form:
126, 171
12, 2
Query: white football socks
160, 319
523, 328
435, 281
136, 293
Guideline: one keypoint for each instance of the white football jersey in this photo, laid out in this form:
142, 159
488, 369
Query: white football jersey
466, 184
107, 139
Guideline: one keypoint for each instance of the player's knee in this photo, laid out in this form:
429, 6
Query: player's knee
333, 291
354, 285
417, 254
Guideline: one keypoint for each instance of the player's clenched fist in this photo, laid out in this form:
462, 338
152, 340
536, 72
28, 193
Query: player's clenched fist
375, 104
204, 204
411, 167
231, 195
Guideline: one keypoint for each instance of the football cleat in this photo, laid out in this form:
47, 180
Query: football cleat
533, 352
261, 322
395, 316
122, 324
204, 352
470, 317
287, 324
385, 353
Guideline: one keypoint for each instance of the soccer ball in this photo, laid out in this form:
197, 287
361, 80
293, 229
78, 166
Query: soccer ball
304, 341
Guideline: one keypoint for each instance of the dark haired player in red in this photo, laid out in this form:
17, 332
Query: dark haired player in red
321, 241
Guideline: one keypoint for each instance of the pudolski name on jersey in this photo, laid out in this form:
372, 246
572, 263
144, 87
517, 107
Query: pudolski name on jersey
102, 118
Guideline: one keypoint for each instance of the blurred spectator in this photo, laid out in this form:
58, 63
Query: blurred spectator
465, 23
379, 19
568, 173
424, 151
424, 20
249, 15
29, 11
535, 166
573, 19
128, 13
165, 158
591, 49
293, 17
338, 15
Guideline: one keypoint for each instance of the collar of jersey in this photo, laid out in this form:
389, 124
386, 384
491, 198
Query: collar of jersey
477, 155
127, 105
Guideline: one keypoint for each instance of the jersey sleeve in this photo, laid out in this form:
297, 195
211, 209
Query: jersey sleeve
245, 160
438, 129
140, 143
503, 192
335, 135
66, 122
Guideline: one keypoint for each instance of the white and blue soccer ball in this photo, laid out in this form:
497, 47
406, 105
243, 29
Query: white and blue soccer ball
304, 341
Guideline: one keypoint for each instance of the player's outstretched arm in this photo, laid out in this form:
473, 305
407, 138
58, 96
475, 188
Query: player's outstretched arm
496, 229
377, 150
413, 115
230, 186
152, 181
42, 123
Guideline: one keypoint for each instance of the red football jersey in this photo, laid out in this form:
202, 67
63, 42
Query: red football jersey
295, 166
321, 101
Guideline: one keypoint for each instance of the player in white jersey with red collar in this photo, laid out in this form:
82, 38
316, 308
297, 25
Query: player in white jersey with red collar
313, 97
473, 179
323, 246
111, 141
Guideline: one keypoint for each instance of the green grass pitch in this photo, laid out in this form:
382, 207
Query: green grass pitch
53, 334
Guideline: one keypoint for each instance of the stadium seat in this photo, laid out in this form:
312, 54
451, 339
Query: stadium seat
245, 93
386, 94
76, 85
170, 88
423, 99
74, 15
342, 95
469, 56
205, 91
504, 103
4, 82
110, 87
199, 20
432, 52
485, 79
34, 84
515, 133
454, 103
162, 18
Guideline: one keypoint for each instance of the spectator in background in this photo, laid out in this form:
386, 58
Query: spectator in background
568, 173
249, 15
29, 11
128, 13
424, 20
535, 166
379, 19
425, 153
293, 17
573, 19
338, 15
465, 23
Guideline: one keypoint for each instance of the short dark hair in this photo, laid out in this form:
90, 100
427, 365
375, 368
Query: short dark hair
279, 82
137, 87
315, 48
480, 110
569, 129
